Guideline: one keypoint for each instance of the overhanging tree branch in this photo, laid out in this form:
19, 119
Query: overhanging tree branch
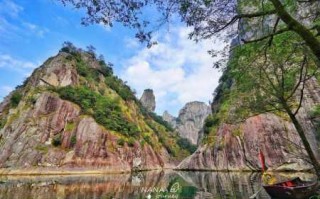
241, 16
312, 42
265, 37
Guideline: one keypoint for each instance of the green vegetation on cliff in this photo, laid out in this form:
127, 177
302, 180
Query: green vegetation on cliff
105, 110
15, 99
257, 80
113, 104
98, 93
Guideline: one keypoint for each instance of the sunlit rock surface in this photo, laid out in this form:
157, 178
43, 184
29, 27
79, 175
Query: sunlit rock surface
148, 100
236, 147
45, 134
189, 123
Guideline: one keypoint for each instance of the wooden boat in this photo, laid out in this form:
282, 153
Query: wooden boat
292, 189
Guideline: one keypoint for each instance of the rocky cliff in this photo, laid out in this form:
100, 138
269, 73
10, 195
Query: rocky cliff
236, 146
232, 142
190, 121
148, 100
73, 115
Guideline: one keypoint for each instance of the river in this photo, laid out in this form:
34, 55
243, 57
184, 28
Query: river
149, 185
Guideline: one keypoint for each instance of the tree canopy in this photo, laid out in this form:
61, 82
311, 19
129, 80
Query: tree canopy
209, 17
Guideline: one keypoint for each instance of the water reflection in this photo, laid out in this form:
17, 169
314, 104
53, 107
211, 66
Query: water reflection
155, 184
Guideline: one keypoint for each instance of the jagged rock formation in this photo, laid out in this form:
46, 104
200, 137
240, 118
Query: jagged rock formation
148, 100
73, 115
190, 121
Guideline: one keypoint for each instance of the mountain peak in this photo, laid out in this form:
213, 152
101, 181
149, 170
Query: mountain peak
190, 121
148, 100
72, 112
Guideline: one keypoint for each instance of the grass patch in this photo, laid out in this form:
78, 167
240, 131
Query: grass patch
70, 126
315, 112
3, 122
120, 141
42, 148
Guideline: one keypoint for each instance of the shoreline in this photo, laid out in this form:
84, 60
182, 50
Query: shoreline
80, 171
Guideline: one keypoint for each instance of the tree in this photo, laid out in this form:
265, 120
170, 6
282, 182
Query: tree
68, 47
268, 82
271, 19
209, 17
91, 50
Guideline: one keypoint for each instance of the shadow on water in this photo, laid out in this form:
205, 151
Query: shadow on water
154, 184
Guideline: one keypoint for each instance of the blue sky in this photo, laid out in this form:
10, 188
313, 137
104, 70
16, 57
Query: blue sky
177, 69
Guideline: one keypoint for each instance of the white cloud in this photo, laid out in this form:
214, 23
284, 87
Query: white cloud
8, 30
177, 69
18, 65
37, 30
8, 7
16, 27
131, 43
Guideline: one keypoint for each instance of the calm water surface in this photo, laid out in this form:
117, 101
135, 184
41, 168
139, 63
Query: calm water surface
148, 185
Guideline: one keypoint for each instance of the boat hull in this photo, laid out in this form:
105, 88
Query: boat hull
302, 190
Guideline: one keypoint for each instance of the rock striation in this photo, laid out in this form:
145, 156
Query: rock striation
189, 123
45, 129
235, 147
148, 100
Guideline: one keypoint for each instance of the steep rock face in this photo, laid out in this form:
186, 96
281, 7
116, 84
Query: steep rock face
231, 146
190, 121
236, 147
28, 141
148, 100
56, 72
48, 130
311, 100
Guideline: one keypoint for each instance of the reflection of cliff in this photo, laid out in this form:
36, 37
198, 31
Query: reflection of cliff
224, 185
237, 185
100, 186
197, 185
